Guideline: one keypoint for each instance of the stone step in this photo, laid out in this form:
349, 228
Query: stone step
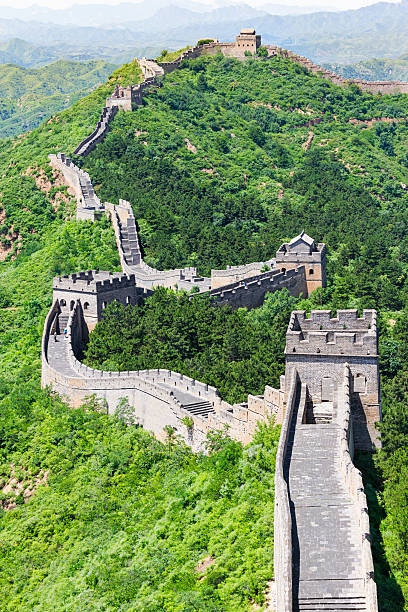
199, 408
335, 604
62, 322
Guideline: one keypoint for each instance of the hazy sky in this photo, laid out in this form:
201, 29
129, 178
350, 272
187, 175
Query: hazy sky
345, 4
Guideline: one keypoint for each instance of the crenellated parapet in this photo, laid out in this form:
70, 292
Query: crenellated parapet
345, 334
234, 274
158, 397
322, 550
89, 206
90, 142
250, 292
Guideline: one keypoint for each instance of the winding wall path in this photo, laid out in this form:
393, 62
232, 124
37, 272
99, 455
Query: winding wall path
322, 544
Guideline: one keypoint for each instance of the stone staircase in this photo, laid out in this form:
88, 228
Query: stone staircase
331, 604
62, 322
320, 413
203, 408
130, 243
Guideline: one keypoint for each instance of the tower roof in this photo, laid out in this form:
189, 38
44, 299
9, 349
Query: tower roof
302, 237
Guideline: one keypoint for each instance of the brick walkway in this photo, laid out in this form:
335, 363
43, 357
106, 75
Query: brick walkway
326, 541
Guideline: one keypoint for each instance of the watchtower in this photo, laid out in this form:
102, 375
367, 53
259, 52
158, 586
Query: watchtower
247, 40
124, 97
319, 346
95, 290
303, 250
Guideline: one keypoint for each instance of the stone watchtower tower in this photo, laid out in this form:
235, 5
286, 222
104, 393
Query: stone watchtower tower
247, 40
302, 250
95, 290
318, 348
124, 97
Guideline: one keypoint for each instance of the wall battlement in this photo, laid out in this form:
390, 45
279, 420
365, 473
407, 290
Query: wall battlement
93, 281
89, 206
220, 278
90, 142
318, 347
250, 293
346, 334
248, 40
302, 250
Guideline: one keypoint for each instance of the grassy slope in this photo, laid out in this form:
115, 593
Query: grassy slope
29, 95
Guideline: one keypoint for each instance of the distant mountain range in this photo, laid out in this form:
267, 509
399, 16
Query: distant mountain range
99, 15
30, 55
374, 69
120, 32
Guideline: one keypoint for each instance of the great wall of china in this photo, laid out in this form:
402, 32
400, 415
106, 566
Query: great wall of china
328, 401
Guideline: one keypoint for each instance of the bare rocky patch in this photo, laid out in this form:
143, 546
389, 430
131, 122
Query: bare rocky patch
203, 565
46, 184
21, 483
190, 146
306, 145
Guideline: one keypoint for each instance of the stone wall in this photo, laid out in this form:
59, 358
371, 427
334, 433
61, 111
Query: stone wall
89, 206
130, 254
355, 487
374, 87
289, 256
282, 551
233, 274
232, 49
90, 142
250, 293
153, 394
95, 290
150, 68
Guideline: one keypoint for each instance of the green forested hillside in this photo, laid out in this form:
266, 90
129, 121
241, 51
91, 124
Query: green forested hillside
220, 169
28, 96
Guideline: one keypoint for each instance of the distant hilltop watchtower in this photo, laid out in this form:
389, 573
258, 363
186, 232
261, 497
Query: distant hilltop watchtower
302, 250
247, 40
